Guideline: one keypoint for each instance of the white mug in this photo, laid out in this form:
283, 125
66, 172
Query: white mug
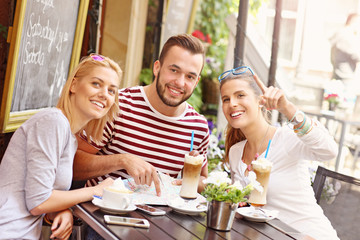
115, 199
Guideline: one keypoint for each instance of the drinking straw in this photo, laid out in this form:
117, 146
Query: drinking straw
192, 141
267, 149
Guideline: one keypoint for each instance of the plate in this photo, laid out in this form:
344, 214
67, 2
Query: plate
99, 203
189, 207
249, 213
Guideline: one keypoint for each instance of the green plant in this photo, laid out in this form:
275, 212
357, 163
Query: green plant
195, 100
218, 188
146, 76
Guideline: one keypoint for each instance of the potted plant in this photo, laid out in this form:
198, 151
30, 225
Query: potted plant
223, 198
333, 99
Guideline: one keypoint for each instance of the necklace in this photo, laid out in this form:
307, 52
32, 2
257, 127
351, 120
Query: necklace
257, 153
262, 141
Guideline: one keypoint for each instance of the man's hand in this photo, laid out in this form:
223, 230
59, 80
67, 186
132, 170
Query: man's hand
88, 165
142, 171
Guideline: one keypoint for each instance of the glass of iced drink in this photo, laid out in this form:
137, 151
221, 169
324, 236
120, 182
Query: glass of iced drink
262, 168
191, 175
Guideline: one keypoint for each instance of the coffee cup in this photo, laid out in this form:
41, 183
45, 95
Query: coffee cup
114, 198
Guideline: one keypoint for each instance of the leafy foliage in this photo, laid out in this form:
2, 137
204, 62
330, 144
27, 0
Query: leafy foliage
218, 188
146, 76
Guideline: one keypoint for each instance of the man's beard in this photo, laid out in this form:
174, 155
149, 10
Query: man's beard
161, 92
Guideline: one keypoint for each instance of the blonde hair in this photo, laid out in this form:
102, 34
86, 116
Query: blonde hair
235, 135
94, 128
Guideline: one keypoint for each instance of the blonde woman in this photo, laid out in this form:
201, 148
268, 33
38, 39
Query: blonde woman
36, 170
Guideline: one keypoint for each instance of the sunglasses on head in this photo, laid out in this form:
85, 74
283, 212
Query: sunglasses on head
235, 71
97, 57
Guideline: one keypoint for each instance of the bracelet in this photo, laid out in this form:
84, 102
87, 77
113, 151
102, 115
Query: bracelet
293, 117
307, 128
303, 123
296, 123
47, 220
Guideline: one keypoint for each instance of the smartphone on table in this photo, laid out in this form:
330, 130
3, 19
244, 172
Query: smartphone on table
150, 210
127, 221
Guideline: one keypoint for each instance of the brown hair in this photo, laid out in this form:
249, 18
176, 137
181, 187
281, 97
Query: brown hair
235, 135
94, 128
185, 41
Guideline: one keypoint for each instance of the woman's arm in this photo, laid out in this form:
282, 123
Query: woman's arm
60, 200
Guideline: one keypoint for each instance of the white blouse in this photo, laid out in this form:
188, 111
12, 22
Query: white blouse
289, 189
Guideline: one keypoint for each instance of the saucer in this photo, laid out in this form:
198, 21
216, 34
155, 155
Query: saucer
189, 207
188, 211
99, 203
250, 214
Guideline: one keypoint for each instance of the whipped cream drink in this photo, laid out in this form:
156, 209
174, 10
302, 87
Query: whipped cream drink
191, 175
119, 186
262, 168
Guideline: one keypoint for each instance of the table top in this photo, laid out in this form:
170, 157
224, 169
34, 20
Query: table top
174, 225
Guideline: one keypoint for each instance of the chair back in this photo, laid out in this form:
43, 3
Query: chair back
339, 197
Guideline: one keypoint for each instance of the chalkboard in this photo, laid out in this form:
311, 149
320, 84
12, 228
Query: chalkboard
45, 46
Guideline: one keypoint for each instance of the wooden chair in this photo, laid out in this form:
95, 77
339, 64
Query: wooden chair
342, 207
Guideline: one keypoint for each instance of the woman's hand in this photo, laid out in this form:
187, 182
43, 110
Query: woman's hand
62, 225
98, 189
274, 98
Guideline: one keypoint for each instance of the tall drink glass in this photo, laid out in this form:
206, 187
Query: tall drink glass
191, 175
262, 168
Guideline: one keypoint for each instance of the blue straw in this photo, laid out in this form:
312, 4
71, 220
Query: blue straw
267, 149
192, 141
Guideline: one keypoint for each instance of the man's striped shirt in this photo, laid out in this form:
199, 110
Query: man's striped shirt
160, 140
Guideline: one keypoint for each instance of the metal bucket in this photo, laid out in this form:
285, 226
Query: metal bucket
220, 215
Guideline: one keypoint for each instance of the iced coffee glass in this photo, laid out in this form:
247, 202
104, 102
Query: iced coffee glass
191, 175
262, 168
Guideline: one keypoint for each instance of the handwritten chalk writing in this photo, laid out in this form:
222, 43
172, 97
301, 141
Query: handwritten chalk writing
63, 37
58, 82
44, 32
33, 56
60, 75
45, 52
46, 3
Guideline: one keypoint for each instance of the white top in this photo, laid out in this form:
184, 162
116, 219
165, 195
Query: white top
38, 160
289, 189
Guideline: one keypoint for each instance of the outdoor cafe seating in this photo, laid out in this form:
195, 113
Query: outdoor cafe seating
339, 197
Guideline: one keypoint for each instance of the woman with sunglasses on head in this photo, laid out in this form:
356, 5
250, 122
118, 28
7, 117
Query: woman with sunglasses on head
36, 170
245, 103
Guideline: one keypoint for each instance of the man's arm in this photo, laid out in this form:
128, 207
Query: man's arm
88, 165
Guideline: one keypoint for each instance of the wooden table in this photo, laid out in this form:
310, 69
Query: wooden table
174, 225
